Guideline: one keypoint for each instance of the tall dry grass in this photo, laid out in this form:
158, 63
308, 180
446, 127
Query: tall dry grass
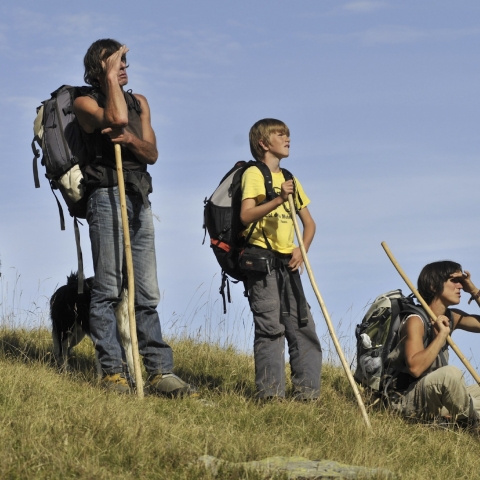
64, 426
61, 426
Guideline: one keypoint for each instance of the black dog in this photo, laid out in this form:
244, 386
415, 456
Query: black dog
70, 314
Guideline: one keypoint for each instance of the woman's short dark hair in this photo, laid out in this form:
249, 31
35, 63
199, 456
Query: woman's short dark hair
97, 52
433, 277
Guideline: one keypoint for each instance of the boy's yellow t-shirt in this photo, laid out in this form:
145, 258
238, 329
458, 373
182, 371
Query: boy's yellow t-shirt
278, 224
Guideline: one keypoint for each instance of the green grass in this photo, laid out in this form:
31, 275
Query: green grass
64, 426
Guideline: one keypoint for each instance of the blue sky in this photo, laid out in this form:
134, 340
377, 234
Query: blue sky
382, 101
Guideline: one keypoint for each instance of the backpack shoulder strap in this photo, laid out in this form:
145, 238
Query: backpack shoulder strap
441, 354
286, 174
296, 195
133, 102
420, 312
269, 195
449, 315
267, 175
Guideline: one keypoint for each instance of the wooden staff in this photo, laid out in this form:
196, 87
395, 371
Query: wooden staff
424, 304
131, 279
326, 315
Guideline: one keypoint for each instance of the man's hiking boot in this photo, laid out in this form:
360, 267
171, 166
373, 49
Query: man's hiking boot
169, 385
116, 382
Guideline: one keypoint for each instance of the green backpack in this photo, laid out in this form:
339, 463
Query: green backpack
378, 335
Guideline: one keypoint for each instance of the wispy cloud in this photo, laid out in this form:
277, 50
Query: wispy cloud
25, 106
395, 35
199, 47
189, 55
3, 36
83, 24
364, 6
62, 31
392, 34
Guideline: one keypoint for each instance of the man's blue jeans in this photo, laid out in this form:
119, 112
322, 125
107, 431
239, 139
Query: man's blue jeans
106, 236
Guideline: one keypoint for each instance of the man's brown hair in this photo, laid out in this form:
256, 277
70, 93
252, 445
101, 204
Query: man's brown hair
98, 51
261, 131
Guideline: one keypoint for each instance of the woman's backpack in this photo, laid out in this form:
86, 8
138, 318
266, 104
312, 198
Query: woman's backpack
378, 335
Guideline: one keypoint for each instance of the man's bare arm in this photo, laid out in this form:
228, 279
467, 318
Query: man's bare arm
145, 149
115, 114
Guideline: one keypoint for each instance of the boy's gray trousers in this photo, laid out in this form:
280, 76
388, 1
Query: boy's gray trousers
272, 327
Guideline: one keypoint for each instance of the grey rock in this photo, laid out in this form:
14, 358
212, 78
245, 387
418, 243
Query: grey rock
300, 468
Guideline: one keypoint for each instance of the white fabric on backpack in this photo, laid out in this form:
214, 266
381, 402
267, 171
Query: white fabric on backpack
72, 183
38, 124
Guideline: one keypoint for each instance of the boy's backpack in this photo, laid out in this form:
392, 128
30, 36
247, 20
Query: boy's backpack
222, 221
378, 335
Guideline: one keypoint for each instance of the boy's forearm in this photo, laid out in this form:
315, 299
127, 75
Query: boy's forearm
257, 212
309, 227
308, 234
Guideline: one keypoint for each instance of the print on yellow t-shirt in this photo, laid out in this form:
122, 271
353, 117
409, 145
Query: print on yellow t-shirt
277, 226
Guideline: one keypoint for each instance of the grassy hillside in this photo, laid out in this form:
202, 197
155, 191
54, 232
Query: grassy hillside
64, 426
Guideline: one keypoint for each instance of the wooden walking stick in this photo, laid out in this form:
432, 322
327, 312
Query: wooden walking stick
424, 304
131, 279
326, 315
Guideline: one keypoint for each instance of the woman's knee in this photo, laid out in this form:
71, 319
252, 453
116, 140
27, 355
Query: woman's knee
450, 375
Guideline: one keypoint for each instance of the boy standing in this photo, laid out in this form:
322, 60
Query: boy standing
276, 296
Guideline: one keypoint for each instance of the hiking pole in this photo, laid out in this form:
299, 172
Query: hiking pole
131, 280
424, 304
326, 315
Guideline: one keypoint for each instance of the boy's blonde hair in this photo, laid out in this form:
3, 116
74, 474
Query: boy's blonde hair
261, 131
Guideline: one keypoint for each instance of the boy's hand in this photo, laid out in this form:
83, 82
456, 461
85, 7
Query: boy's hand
296, 262
286, 190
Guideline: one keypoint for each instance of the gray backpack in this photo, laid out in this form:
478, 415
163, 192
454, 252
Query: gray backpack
65, 153
378, 335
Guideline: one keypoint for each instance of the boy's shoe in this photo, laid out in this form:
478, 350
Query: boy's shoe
116, 382
169, 385
307, 395
270, 399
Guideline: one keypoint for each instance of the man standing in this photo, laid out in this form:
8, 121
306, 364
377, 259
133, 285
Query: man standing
109, 116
